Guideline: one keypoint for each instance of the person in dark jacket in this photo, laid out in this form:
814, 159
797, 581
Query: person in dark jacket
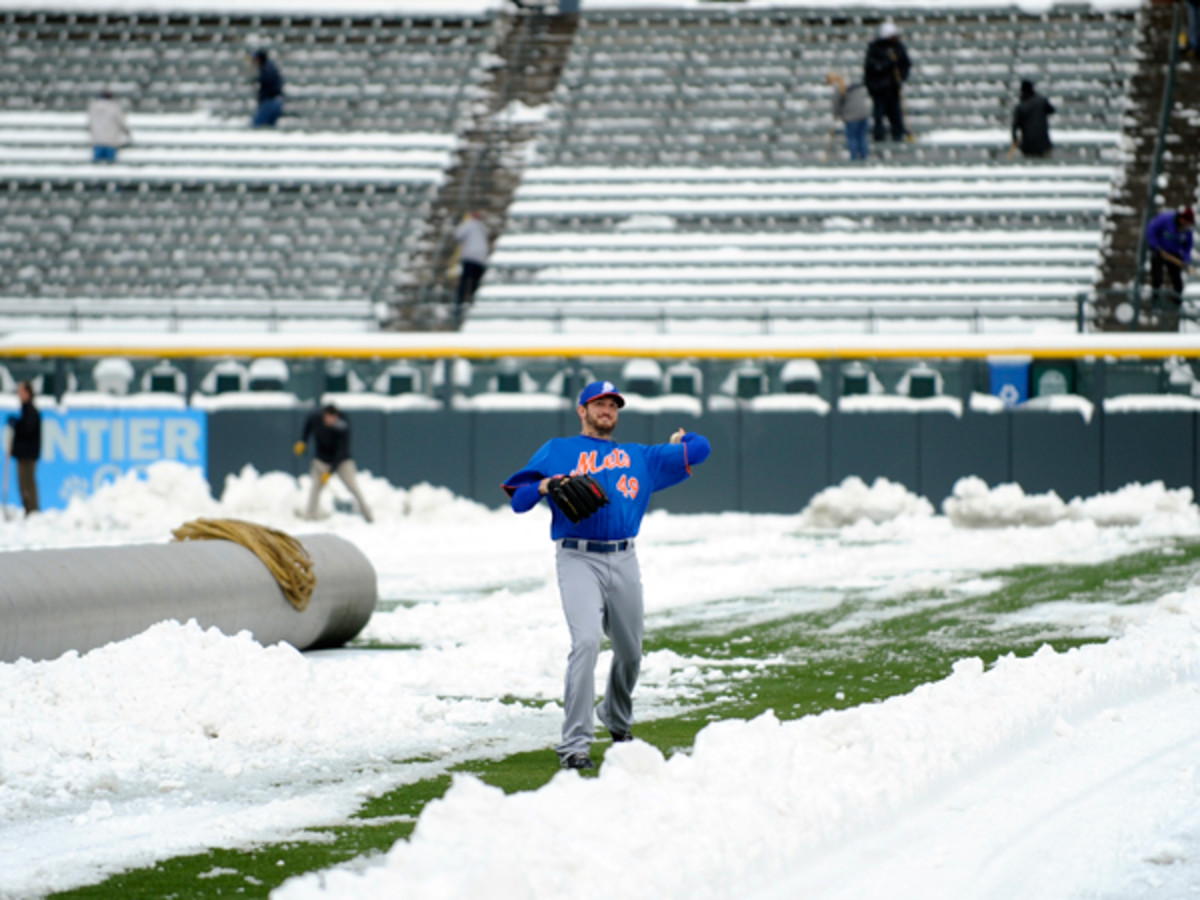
884, 72
270, 91
27, 446
1169, 244
330, 433
1031, 124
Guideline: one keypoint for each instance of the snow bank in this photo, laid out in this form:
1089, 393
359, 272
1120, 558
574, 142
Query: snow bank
184, 719
853, 500
166, 494
181, 739
973, 505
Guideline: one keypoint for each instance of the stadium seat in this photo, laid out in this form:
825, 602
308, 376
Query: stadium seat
399, 378
642, 377
800, 376
163, 378
113, 375
227, 376
267, 375
685, 379
921, 381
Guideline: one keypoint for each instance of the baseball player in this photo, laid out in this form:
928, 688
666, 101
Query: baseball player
598, 492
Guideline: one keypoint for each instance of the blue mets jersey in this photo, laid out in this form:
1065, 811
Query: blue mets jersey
629, 473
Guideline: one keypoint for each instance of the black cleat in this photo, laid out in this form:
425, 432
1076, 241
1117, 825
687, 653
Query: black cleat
578, 761
618, 737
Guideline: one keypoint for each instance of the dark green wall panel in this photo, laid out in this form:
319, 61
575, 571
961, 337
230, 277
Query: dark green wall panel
874, 445
1148, 446
953, 447
799, 442
1056, 451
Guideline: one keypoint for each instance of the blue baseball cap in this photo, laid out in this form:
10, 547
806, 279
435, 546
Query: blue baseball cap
598, 389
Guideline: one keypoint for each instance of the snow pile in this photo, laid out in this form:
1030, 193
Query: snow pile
160, 720
135, 500
1136, 504
853, 501
756, 801
180, 718
166, 494
973, 505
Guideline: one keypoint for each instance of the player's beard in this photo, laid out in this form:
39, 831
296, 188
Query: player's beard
597, 428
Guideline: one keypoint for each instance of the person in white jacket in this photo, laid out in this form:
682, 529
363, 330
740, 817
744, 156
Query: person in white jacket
472, 237
107, 127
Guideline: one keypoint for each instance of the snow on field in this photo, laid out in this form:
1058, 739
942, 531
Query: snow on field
178, 739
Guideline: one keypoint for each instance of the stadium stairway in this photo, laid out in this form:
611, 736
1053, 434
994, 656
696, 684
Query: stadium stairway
523, 73
1179, 181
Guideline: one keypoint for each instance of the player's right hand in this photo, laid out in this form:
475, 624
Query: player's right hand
299, 447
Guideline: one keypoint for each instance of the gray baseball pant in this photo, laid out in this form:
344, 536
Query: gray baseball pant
346, 471
601, 595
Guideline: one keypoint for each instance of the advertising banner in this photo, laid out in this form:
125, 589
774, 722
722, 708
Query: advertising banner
83, 449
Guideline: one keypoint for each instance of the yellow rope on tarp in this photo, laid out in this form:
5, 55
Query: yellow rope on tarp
285, 556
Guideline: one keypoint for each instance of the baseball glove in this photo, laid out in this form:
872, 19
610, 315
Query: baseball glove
578, 496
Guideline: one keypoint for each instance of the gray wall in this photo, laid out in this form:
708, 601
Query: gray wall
762, 461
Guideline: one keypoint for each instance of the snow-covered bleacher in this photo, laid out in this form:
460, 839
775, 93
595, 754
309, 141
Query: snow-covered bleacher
342, 71
207, 209
313, 220
685, 170
689, 170
725, 86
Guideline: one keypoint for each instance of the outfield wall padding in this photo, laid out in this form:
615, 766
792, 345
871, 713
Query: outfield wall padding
53, 601
769, 460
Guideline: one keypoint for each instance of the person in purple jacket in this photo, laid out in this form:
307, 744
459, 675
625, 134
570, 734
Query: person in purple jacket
598, 574
1169, 242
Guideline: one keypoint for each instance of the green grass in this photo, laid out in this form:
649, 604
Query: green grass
859, 651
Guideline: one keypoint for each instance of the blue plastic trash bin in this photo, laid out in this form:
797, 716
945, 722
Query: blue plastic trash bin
1009, 379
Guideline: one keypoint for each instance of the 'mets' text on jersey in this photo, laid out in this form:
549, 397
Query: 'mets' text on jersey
629, 473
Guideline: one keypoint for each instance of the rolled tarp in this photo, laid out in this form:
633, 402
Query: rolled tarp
53, 601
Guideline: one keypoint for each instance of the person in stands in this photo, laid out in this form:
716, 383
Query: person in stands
1031, 124
885, 70
472, 238
107, 128
852, 106
1169, 246
270, 91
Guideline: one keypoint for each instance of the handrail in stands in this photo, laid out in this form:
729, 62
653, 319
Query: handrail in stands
972, 316
1164, 121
